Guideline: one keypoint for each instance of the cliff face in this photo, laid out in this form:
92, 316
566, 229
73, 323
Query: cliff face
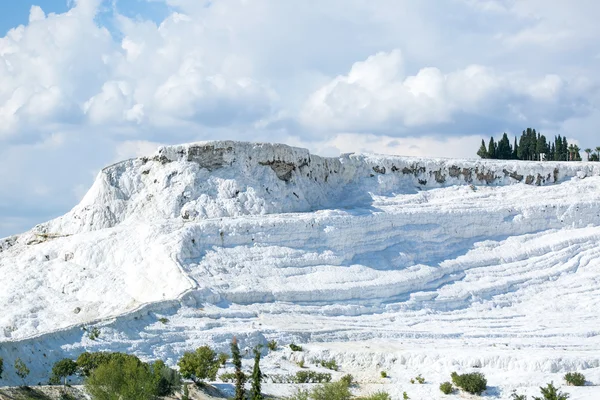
227, 179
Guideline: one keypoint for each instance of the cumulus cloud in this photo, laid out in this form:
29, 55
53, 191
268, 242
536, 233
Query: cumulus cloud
377, 95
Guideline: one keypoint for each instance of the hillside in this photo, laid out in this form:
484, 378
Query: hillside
428, 263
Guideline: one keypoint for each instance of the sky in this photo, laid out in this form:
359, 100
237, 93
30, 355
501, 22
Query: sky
86, 83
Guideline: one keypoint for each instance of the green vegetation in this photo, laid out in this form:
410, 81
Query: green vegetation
1, 367
383, 374
272, 345
21, 369
257, 376
240, 378
329, 364
186, 393
328, 391
446, 388
163, 320
199, 365
347, 379
61, 370
405, 396
551, 393
531, 145
515, 396
312, 377
223, 357
122, 378
575, 379
295, 347
418, 379
474, 383
300, 363
168, 381
377, 396
94, 333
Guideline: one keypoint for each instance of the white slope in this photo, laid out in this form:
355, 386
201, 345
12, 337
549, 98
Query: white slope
434, 264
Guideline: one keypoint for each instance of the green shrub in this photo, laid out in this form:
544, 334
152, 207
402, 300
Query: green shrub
295, 347
21, 369
163, 320
329, 364
94, 333
377, 396
347, 379
223, 357
446, 388
405, 396
125, 378
575, 379
312, 377
551, 393
474, 383
333, 391
228, 377
515, 396
272, 345
1, 367
168, 381
383, 374
199, 365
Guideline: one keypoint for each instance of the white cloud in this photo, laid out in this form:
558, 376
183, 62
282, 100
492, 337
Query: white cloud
376, 95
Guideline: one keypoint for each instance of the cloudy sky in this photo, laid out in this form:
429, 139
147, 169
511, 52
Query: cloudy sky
85, 83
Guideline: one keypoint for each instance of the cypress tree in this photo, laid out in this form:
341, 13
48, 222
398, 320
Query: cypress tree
256, 376
482, 152
504, 151
565, 149
492, 148
240, 378
515, 151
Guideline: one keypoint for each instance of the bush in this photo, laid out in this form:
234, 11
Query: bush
474, 383
377, 396
333, 391
446, 388
126, 378
300, 363
575, 379
223, 358
1, 367
551, 393
312, 377
199, 365
347, 379
295, 347
405, 396
163, 320
383, 374
329, 364
186, 393
229, 377
94, 333
168, 381
515, 396
21, 369
272, 345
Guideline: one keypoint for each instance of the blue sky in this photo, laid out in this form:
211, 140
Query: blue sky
90, 82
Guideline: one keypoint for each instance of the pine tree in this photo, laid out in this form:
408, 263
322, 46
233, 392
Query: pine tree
482, 152
256, 376
240, 378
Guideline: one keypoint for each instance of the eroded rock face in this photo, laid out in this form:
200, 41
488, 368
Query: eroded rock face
282, 169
